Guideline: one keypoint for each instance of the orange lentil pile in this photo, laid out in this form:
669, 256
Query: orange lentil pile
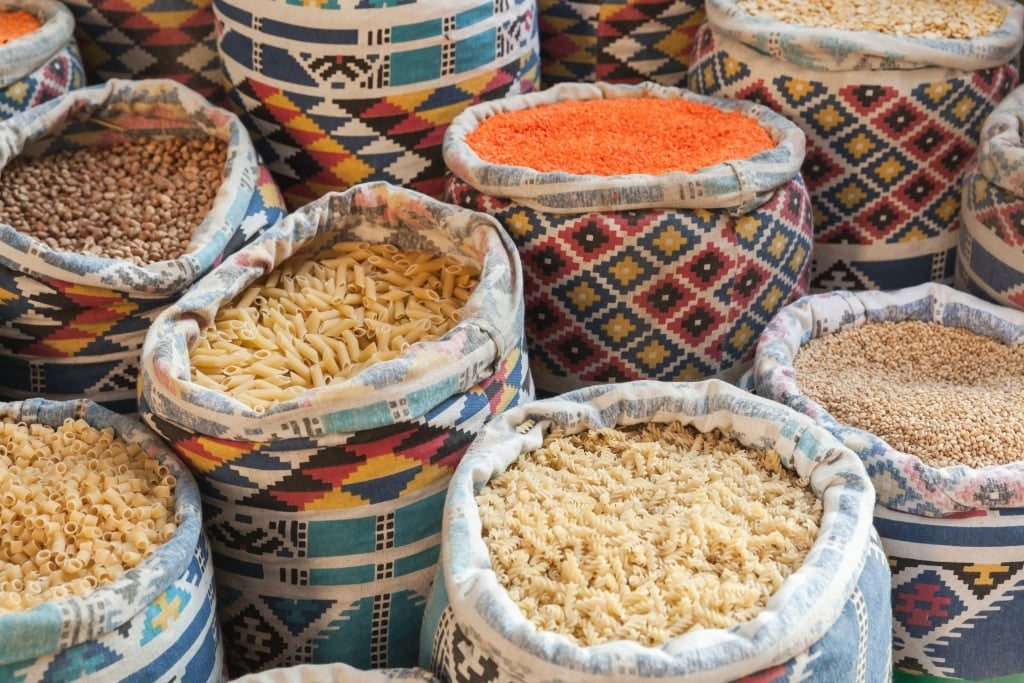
16, 23
606, 137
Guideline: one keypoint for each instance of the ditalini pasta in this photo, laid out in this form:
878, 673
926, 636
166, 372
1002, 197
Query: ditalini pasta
318, 319
78, 507
645, 533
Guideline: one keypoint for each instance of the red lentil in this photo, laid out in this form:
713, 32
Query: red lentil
620, 136
16, 23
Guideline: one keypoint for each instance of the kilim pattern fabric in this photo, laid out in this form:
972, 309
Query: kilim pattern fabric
625, 41
72, 325
324, 512
174, 39
903, 482
348, 92
157, 622
887, 143
956, 593
63, 72
830, 623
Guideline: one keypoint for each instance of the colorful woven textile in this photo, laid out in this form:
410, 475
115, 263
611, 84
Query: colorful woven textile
156, 622
891, 125
324, 512
73, 324
624, 41
175, 39
43, 65
644, 277
829, 622
342, 93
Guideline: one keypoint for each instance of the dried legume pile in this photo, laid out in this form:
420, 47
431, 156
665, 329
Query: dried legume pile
645, 533
78, 507
17, 23
608, 137
138, 201
936, 19
945, 394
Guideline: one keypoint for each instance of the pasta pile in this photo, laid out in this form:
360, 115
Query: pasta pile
644, 533
311, 321
78, 507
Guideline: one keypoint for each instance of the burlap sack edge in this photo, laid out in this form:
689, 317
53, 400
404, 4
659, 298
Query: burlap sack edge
148, 99
935, 492
833, 49
739, 186
800, 613
22, 56
45, 628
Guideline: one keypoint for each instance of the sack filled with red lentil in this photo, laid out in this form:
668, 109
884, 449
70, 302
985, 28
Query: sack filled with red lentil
924, 384
39, 57
892, 101
621, 41
105, 572
322, 383
114, 199
658, 531
659, 229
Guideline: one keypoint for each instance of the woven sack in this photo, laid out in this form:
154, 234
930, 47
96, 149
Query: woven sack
829, 621
156, 622
667, 277
42, 65
173, 39
990, 253
348, 92
335, 673
324, 510
624, 41
953, 535
72, 323
891, 125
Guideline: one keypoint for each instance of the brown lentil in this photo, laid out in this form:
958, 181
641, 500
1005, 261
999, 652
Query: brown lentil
947, 395
935, 19
139, 201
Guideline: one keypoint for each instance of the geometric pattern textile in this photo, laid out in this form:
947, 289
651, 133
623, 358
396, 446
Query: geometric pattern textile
665, 294
626, 41
887, 150
61, 73
342, 93
142, 39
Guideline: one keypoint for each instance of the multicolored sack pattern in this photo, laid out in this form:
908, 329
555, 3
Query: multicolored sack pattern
343, 93
44, 65
990, 255
74, 324
324, 512
831, 623
157, 621
623, 41
891, 125
144, 39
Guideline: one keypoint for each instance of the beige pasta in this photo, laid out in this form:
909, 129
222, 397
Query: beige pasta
78, 507
315, 320
645, 533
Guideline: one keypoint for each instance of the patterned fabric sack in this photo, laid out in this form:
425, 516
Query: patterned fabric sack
324, 511
72, 323
174, 39
953, 535
42, 65
335, 673
990, 255
830, 620
667, 277
348, 92
156, 622
891, 125
625, 41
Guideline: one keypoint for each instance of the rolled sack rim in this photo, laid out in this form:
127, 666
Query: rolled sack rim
943, 491
739, 185
1000, 154
22, 56
800, 613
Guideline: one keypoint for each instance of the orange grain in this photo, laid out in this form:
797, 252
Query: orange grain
620, 136
16, 23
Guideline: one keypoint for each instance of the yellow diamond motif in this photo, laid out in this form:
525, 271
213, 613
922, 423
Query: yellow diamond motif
518, 224
670, 242
938, 91
619, 327
626, 270
860, 146
689, 373
731, 66
778, 245
829, 118
949, 208
583, 296
796, 263
890, 169
772, 298
653, 355
851, 196
742, 337
964, 108
798, 89
914, 234
747, 227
